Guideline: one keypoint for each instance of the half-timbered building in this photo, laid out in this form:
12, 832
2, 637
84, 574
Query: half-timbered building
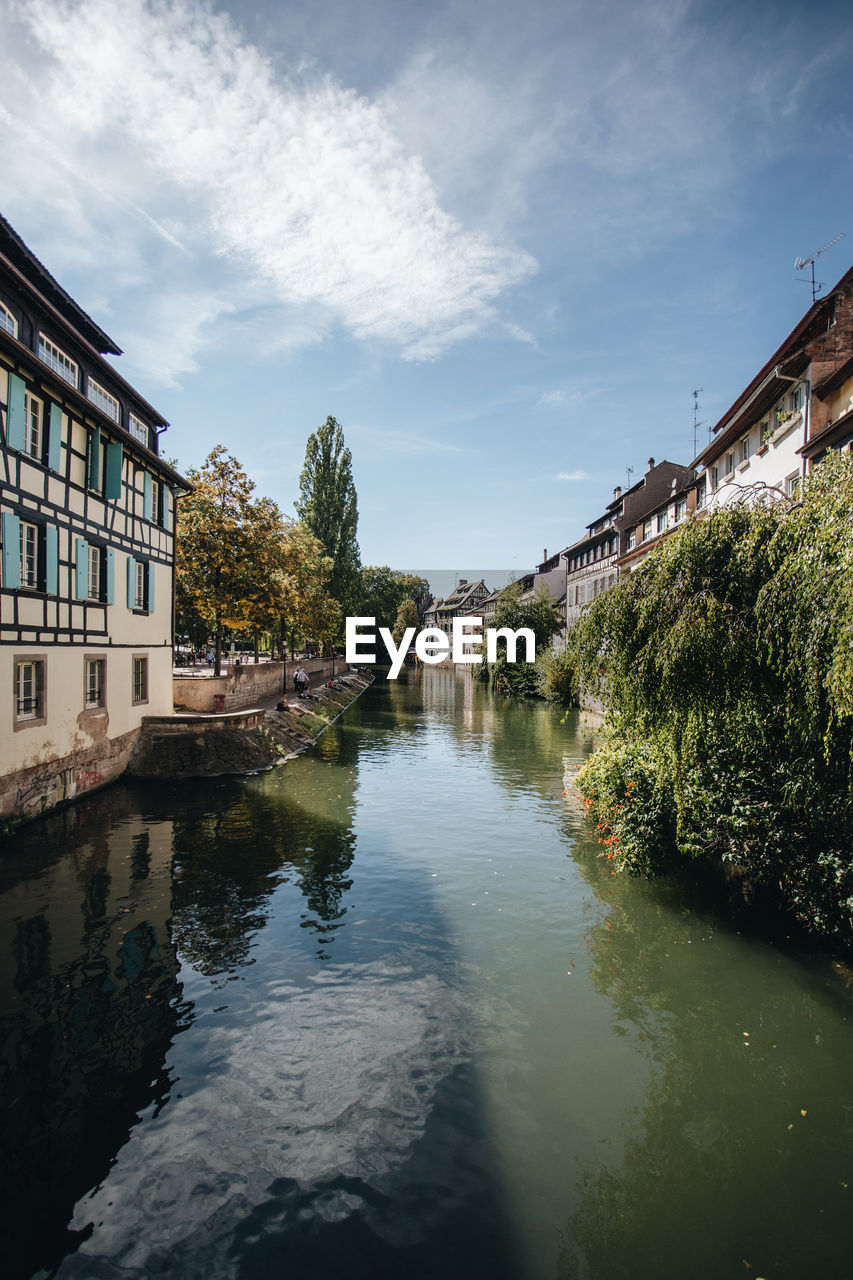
87, 515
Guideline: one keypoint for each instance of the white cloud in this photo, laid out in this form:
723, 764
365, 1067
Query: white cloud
398, 442
572, 475
550, 399
301, 183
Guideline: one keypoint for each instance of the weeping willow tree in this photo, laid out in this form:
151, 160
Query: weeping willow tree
726, 663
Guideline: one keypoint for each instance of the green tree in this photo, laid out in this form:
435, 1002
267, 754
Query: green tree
329, 507
538, 613
725, 662
382, 590
214, 544
407, 616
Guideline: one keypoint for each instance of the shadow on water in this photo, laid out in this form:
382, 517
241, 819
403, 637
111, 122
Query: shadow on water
336, 1087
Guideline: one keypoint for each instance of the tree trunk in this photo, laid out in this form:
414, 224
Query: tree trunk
255, 634
217, 666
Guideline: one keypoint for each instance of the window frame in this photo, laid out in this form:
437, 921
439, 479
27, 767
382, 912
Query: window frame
100, 398
95, 573
8, 321
26, 527
38, 715
139, 664
140, 587
139, 430
33, 440
100, 664
58, 360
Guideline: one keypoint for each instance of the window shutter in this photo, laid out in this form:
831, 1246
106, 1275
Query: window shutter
110, 575
115, 458
81, 570
168, 499
131, 582
11, 550
150, 574
16, 418
93, 478
54, 438
51, 560
146, 496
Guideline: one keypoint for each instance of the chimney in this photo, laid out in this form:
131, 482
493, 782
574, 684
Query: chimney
617, 493
651, 463
544, 554
463, 582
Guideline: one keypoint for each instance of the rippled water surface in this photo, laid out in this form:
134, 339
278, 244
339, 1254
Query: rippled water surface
385, 1013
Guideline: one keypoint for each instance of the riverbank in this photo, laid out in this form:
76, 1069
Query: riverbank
203, 746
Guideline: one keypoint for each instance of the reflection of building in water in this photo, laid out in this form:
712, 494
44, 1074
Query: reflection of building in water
88, 1011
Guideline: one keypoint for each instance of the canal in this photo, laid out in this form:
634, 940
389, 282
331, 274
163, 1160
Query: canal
385, 1013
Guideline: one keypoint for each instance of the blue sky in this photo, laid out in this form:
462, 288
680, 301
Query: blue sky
501, 242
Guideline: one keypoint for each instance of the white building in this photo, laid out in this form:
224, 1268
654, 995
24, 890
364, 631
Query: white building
87, 511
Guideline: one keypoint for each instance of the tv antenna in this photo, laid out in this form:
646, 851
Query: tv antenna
809, 262
696, 423
629, 471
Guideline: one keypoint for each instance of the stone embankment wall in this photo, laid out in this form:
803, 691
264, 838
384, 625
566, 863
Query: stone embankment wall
247, 684
28, 793
204, 746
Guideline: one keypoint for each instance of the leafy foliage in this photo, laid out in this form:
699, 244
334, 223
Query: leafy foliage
407, 616
381, 591
726, 662
521, 678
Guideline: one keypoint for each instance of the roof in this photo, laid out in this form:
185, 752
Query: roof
763, 391
22, 257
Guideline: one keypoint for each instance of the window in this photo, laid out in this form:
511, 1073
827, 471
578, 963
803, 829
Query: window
662, 521
137, 429
715, 477
701, 493
744, 449
632, 539
93, 691
140, 679
95, 554
156, 502
29, 555
795, 399
141, 583
680, 509
57, 360
102, 399
29, 691
792, 483
647, 530
8, 323
730, 463
32, 427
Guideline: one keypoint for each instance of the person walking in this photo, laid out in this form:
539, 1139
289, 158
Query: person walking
301, 679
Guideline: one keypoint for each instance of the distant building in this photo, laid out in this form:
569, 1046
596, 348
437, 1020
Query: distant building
466, 597
87, 517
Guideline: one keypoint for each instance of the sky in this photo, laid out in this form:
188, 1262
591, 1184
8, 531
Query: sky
501, 242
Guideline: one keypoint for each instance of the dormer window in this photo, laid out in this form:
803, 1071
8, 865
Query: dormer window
102, 399
57, 360
8, 323
138, 429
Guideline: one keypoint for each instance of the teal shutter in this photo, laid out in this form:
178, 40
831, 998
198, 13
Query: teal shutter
93, 478
150, 572
146, 496
131, 582
81, 570
168, 499
16, 418
11, 550
111, 576
54, 438
112, 484
51, 560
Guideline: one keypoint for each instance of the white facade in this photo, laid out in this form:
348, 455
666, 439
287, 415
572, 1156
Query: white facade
86, 551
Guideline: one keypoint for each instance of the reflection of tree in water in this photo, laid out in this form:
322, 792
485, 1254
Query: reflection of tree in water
722, 1175
230, 859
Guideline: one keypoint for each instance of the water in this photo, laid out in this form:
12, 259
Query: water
386, 1013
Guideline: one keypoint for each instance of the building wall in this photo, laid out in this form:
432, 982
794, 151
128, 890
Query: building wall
89, 487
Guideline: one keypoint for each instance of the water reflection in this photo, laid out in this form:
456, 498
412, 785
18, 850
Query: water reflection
89, 1006
740, 1158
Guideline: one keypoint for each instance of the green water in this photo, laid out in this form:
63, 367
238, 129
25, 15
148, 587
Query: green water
385, 1012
